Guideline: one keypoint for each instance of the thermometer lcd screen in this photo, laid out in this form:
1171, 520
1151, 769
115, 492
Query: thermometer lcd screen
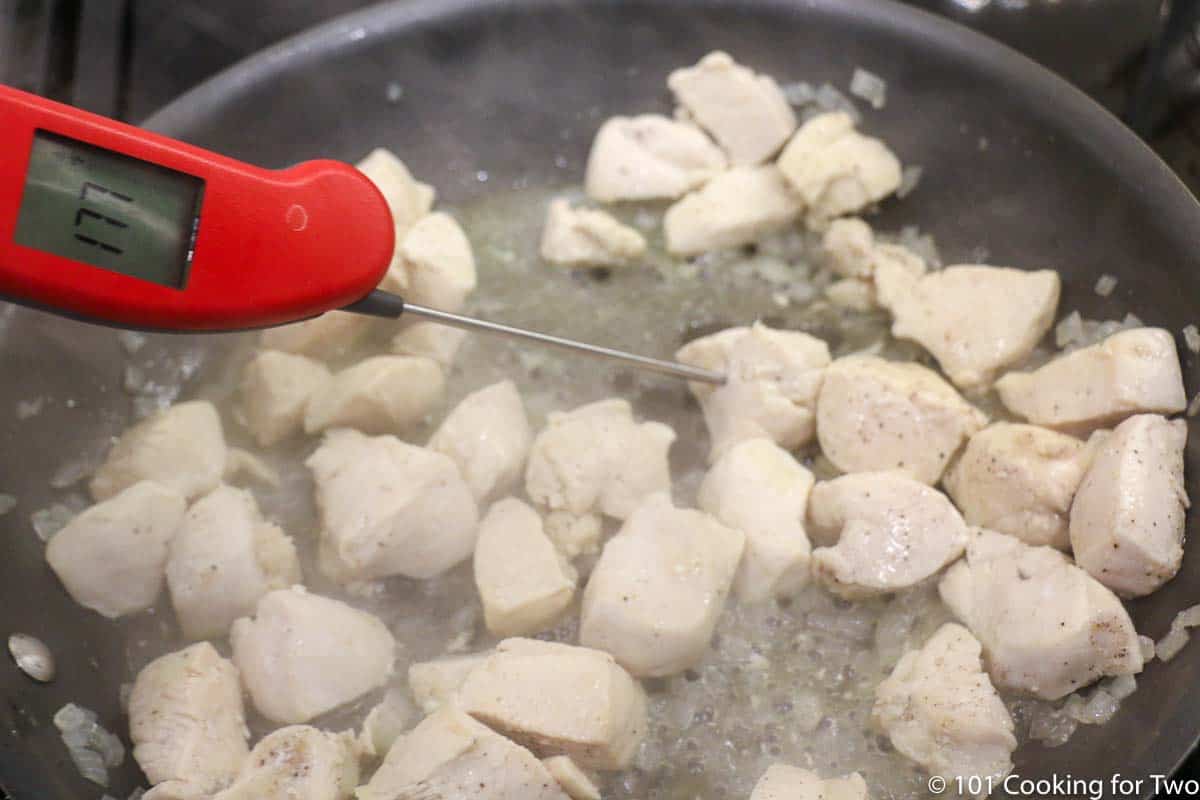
109, 210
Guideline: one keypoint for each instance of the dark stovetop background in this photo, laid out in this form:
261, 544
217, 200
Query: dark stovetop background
127, 58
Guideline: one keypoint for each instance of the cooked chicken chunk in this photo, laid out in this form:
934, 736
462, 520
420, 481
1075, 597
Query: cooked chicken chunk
327, 336
892, 532
429, 340
386, 722
975, 320
389, 508
487, 435
303, 654
939, 709
1131, 372
242, 466
852, 252
557, 699
596, 458
784, 782
835, 169
581, 237
450, 755
1020, 480
223, 559
434, 265
773, 378
1128, 516
649, 157
759, 489
574, 781
181, 448
524, 583
275, 391
111, 557
298, 762
382, 394
1046, 626
654, 596
435, 683
881, 415
745, 112
407, 198
186, 720
731, 210
574, 534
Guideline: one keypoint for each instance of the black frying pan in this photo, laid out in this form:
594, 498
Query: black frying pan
501, 86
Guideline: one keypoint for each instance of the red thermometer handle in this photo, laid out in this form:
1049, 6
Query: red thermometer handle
262, 248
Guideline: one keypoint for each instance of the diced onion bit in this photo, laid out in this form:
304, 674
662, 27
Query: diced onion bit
49, 521
1068, 331
1147, 645
92, 748
131, 341
909, 179
1052, 727
869, 87
7, 503
800, 93
1194, 407
1177, 637
32, 656
1191, 337
1105, 285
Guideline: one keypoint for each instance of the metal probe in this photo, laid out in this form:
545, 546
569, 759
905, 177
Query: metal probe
385, 304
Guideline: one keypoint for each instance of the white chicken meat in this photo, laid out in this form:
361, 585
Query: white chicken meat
852, 252
488, 436
407, 198
1046, 626
303, 654
381, 394
654, 597
111, 557
389, 508
434, 264
325, 337
875, 415
429, 340
582, 237
223, 559
524, 583
975, 320
772, 383
940, 710
760, 489
649, 157
597, 458
892, 532
731, 210
1019, 480
435, 683
1127, 522
1132, 372
275, 390
298, 762
186, 719
785, 782
181, 448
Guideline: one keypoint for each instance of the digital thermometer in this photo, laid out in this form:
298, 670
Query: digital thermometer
109, 223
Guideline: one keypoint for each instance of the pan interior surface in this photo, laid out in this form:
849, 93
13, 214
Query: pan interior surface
490, 99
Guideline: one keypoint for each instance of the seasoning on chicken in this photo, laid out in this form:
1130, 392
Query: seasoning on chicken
583, 237
784, 782
435, 683
275, 390
877, 415
557, 699
298, 762
596, 458
731, 210
573, 780
450, 755
1127, 522
654, 596
1131, 372
407, 198
835, 170
328, 336
434, 265
649, 157
773, 379
111, 557
186, 720
487, 435
852, 252
939, 709
303, 654
181, 448
892, 532
1019, 480
1046, 626
389, 508
975, 320
524, 583
745, 112
382, 394
760, 489
223, 559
